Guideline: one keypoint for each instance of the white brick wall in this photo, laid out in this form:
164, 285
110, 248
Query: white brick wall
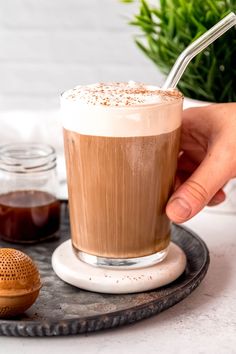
47, 46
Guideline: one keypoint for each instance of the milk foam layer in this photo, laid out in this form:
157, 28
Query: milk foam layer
121, 110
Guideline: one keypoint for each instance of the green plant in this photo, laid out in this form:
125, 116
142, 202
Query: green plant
171, 25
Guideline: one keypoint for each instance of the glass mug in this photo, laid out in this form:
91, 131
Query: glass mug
121, 147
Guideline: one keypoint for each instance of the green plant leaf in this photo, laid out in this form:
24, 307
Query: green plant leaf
145, 9
170, 26
127, 1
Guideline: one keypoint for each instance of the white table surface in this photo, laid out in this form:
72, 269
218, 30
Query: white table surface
205, 322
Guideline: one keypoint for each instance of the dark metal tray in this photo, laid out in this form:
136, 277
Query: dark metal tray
62, 309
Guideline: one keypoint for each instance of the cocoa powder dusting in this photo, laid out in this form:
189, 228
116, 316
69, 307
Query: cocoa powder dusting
120, 94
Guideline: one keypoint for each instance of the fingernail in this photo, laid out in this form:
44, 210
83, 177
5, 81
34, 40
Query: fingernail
180, 208
216, 200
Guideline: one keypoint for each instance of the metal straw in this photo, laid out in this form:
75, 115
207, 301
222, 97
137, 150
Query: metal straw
196, 47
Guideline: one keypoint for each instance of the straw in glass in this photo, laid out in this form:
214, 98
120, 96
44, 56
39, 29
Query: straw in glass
196, 47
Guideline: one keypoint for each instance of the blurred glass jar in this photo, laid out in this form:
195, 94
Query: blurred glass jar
29, 208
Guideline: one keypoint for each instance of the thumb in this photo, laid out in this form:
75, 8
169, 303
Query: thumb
200, 188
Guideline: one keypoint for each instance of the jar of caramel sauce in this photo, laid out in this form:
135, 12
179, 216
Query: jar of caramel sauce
29, 208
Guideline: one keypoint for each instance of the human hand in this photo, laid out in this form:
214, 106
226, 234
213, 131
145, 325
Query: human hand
207, 161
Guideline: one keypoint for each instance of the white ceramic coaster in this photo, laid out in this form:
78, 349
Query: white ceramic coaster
114, 281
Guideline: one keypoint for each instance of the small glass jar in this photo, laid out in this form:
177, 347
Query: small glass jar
29, 208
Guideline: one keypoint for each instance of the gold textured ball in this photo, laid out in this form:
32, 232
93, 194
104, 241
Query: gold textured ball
19, 282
